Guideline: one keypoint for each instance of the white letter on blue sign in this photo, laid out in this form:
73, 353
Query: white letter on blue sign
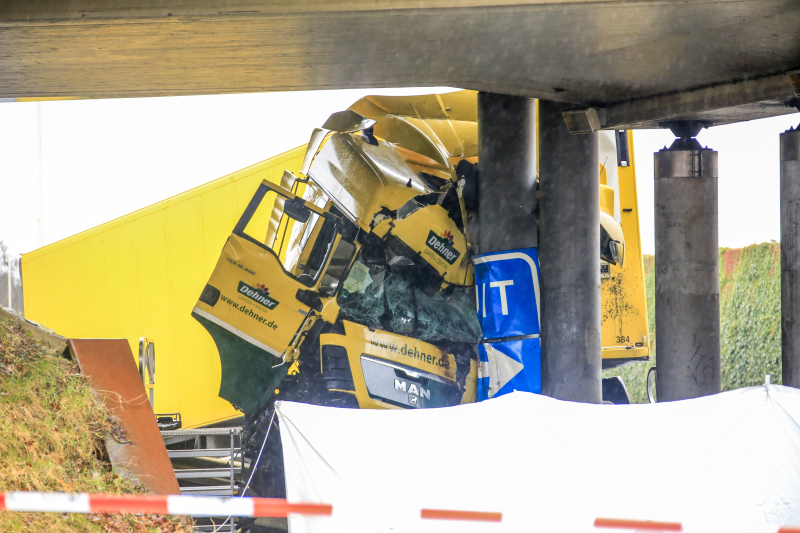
502, 286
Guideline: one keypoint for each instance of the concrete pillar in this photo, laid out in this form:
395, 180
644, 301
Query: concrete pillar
506, 272
507, 155
790, 256
687, 270
569, 255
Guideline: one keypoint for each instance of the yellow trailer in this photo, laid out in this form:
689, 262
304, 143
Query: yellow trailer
139, 276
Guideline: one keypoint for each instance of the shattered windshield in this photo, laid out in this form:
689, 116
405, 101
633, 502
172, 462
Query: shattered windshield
380, 297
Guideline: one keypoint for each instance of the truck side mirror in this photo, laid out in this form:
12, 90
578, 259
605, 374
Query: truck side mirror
612, 240
297, 210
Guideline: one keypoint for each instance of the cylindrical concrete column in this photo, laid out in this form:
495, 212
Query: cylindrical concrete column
569, 256
687, 272
790, 256
507, 187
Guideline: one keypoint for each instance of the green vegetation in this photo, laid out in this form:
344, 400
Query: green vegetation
51, 439
750, 311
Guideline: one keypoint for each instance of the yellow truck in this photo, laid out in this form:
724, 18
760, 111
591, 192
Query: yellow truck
138, 277
348, 278
352, 282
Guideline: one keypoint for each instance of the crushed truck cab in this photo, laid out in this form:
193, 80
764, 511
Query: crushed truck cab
352, 282
356, 274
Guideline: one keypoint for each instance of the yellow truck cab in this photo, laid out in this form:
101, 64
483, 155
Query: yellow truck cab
280, 278
352, 283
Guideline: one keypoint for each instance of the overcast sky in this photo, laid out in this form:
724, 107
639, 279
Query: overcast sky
105, 158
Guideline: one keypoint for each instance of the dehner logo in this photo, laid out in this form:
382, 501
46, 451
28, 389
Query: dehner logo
443, 246
258, 294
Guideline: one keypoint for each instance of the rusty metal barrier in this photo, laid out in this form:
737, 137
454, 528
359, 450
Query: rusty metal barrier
135, 448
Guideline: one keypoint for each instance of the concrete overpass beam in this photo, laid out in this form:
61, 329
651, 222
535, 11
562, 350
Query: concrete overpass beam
790, 256
687, 268
569, 245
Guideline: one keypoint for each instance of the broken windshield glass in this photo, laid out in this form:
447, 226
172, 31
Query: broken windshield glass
377, 297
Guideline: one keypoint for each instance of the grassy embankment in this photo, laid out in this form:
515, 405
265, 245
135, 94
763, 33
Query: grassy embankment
51, 439
750, 314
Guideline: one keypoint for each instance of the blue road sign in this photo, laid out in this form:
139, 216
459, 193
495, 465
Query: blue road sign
508, 366
507, 285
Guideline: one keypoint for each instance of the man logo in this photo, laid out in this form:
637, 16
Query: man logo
414, 390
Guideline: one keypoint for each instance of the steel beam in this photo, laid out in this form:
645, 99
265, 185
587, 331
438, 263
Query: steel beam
569, 244
790, 256
687, 271
507, 155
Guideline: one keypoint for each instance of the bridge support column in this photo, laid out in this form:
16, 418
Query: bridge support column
687, 268
569, 246
506, 272
790, 256
507, 160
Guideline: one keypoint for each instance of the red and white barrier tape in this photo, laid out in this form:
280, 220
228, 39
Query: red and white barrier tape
649, 525
638, 525
470, 516
59, 502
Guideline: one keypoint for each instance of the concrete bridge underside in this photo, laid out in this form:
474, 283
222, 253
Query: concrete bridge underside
642, 61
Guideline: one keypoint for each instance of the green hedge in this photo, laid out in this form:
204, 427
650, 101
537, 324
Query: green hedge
750, 313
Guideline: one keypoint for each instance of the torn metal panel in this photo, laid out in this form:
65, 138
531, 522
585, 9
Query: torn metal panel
137, 452
347, 121
314, 144
416, 142
363, 177
450, 120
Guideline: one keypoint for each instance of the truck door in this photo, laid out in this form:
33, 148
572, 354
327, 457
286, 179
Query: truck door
257, 299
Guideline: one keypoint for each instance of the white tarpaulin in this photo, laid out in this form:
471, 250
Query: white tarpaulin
727, 463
